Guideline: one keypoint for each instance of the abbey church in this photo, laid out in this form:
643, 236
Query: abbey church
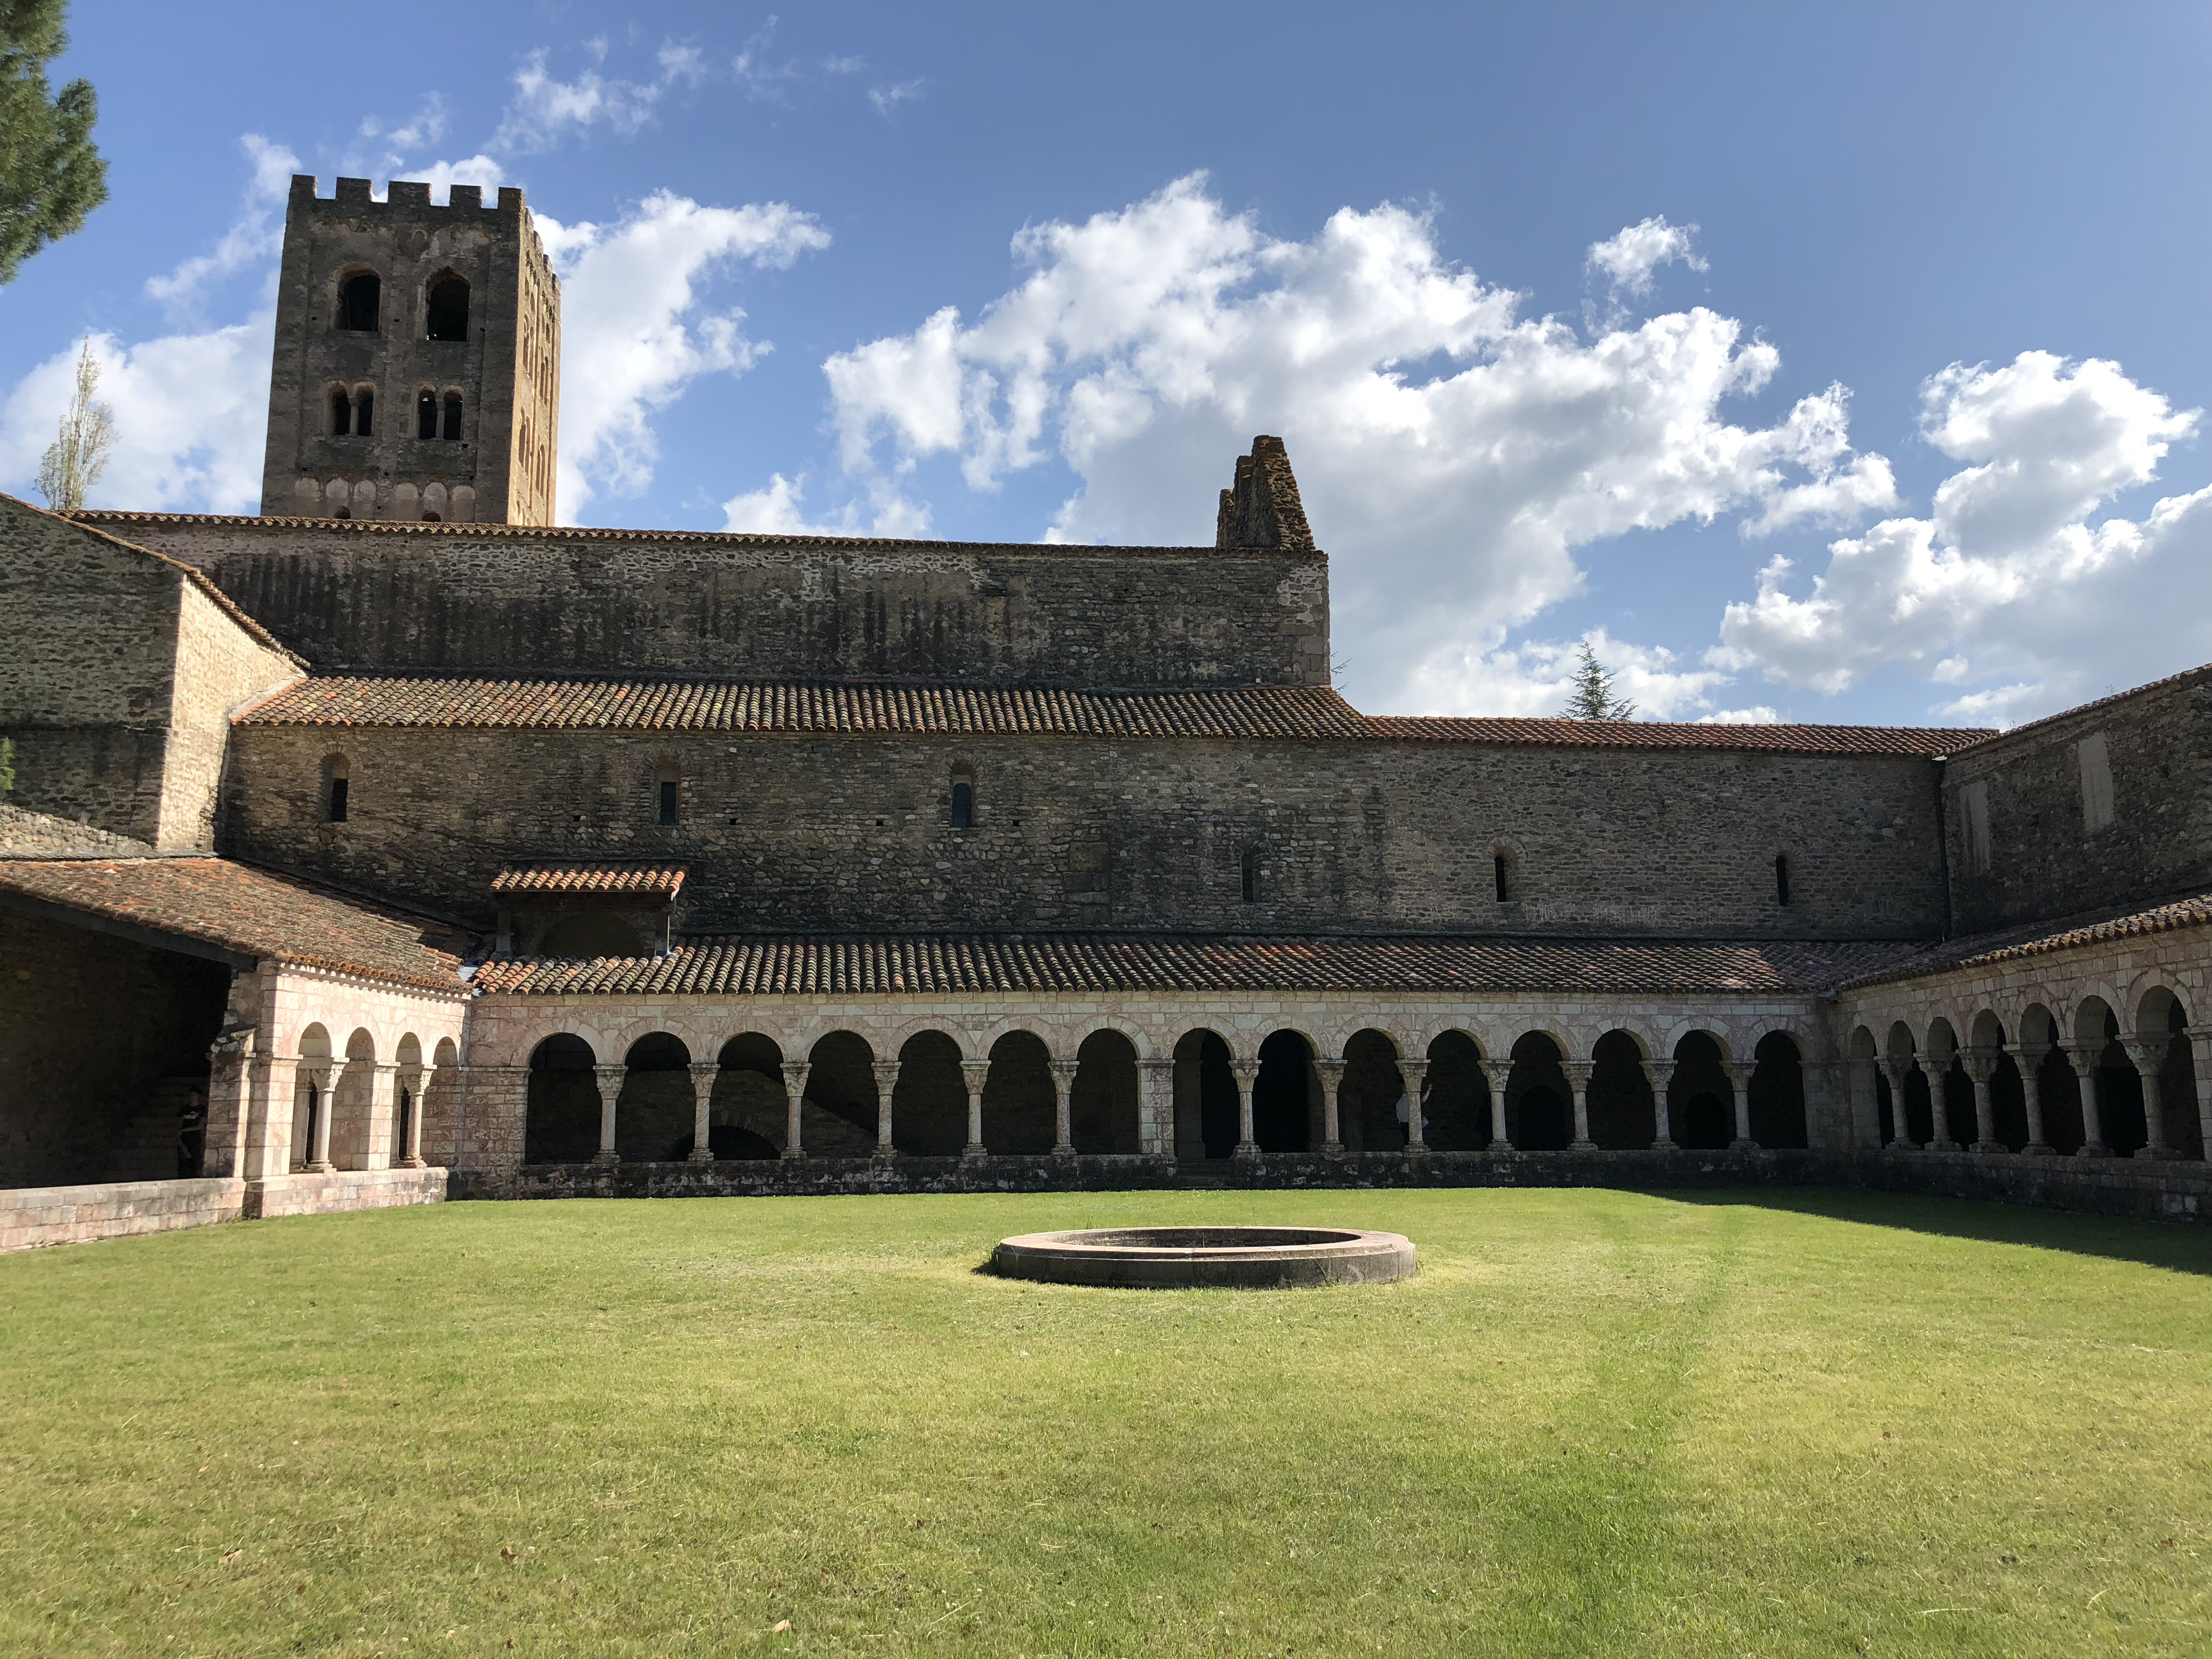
397, 844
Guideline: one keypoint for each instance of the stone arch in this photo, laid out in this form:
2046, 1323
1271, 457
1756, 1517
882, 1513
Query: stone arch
1139, 1039
352, 1102
748, 1108
1622, 1113
1701, 1097
445, 306
1287, 1097
1367, 1098
1540, 1112
2097, 1028
451, 427
837, 1117
1866, 1070
406, 1093
1021, 1107
1205, 1097
1104, 1109
1775, 1097
357, 299
561, 1109
654, 1114
2059, 1088
337, 404
310, 1096
929, 1107
1951, 1091
1458, 1104
2161, 1016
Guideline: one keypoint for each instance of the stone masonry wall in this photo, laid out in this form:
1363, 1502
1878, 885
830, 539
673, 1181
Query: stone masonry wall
785, 833
517, 601
2044, 859
219, 666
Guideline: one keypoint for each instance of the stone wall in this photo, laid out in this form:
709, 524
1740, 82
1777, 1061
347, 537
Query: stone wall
853, 832
33, 1218
529, 602
92, 1027
2044, 853
219, 666
26, 835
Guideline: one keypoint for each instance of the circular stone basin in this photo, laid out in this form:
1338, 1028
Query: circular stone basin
1177, 1258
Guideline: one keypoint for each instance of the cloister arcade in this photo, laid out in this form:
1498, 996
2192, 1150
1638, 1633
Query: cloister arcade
1218, 1089
352, 1111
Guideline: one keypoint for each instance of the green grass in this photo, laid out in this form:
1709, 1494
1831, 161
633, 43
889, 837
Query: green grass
1597, 1423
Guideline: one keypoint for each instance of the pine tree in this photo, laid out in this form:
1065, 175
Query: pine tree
1593, 698
78, 454
51, 176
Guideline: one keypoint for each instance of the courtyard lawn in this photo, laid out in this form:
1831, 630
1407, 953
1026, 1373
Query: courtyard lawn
1597, 1423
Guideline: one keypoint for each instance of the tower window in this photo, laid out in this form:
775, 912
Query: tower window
452, 417
336, 789
1782, 877
1248, 876
1501, 870
448, 317
341, 414
426, 415
359, 299
364, 411
963, 804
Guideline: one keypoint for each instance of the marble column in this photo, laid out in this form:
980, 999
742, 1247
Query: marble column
414, 1088
2083, 1057
1740, 1086
1497, 1073
2148, 1053
977, 1072
1247, 1072
1661, 1074
1939, 1104
1900, 1130
2027, 1058
1981, 1066
323, 1080
1578, 1076
1063, 1107
383, 1107
703, 1074
611, 1085
1415, 1073
795, 1112
1332, 1079
886, 1072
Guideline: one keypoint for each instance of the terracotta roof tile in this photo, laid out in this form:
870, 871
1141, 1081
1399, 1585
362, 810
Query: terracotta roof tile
799, 707
659, 880
936, 964
248, 912
2036, 938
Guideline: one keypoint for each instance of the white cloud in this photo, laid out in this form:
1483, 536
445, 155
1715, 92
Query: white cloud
1453, 453
755, 77
1628, 260
545, 109
635, 328
1536, 677
2007, 577
254, 235
843, 65
776, 510
191, 413
888, 99
425, 127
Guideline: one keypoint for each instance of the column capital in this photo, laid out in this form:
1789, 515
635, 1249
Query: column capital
1332, 1072
887, 1073
1578, 1072
1246, 1072
2148, 1053
705, 1071
977, 1074
1662, 1071
1064, 1071
794, 1075
614, 1073
1979, 1064
1413, 1071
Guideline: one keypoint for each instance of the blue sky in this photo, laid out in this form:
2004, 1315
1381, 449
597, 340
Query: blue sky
1876, 333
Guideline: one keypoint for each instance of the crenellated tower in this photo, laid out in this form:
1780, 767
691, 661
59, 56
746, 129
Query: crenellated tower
418, 365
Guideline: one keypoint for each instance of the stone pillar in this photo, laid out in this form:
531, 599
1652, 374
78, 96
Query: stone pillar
1248, 1072
1900, 1139
1155, 1124
1981, 1066
1063, 1108
886, 1072
2028, 1058
2198, 1036
2083, 1058
794, 1096
272, 1086
1332, 1130
1939, 1107
1415, 1073
416, 1083
1578, 1076
2148, 1053
1661, 1074
977, 1074
383, 1108
1740, 1086
491, 1118
610, 1083
1496, 1073
323, 1080
229, 1104
703, 1074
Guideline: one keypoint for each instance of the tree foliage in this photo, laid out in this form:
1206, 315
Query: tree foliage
1593, 696
78, 454
51, 175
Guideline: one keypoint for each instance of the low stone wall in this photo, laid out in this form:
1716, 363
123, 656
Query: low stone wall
2152, 1189
31, 1216
343, 1190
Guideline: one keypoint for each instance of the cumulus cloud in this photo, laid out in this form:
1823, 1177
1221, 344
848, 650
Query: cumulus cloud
636, 329
777, 509
254, 236
2008, 578
1449, 448
1536, 677
1626, 261
546, 109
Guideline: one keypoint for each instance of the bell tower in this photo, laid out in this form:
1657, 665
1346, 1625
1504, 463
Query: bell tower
417, 367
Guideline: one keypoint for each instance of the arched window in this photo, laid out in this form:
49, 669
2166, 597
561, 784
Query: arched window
448, 317
1782, 877
669, 792
364, 411
963, 803
426, 414
359, 298
341, 412
336, 789
1248, 876
452, 417
434, 518
1501, 872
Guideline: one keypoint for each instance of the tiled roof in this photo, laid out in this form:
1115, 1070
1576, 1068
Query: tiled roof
248, 912
659, 880
925, 964
2037, 938
1252, 712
